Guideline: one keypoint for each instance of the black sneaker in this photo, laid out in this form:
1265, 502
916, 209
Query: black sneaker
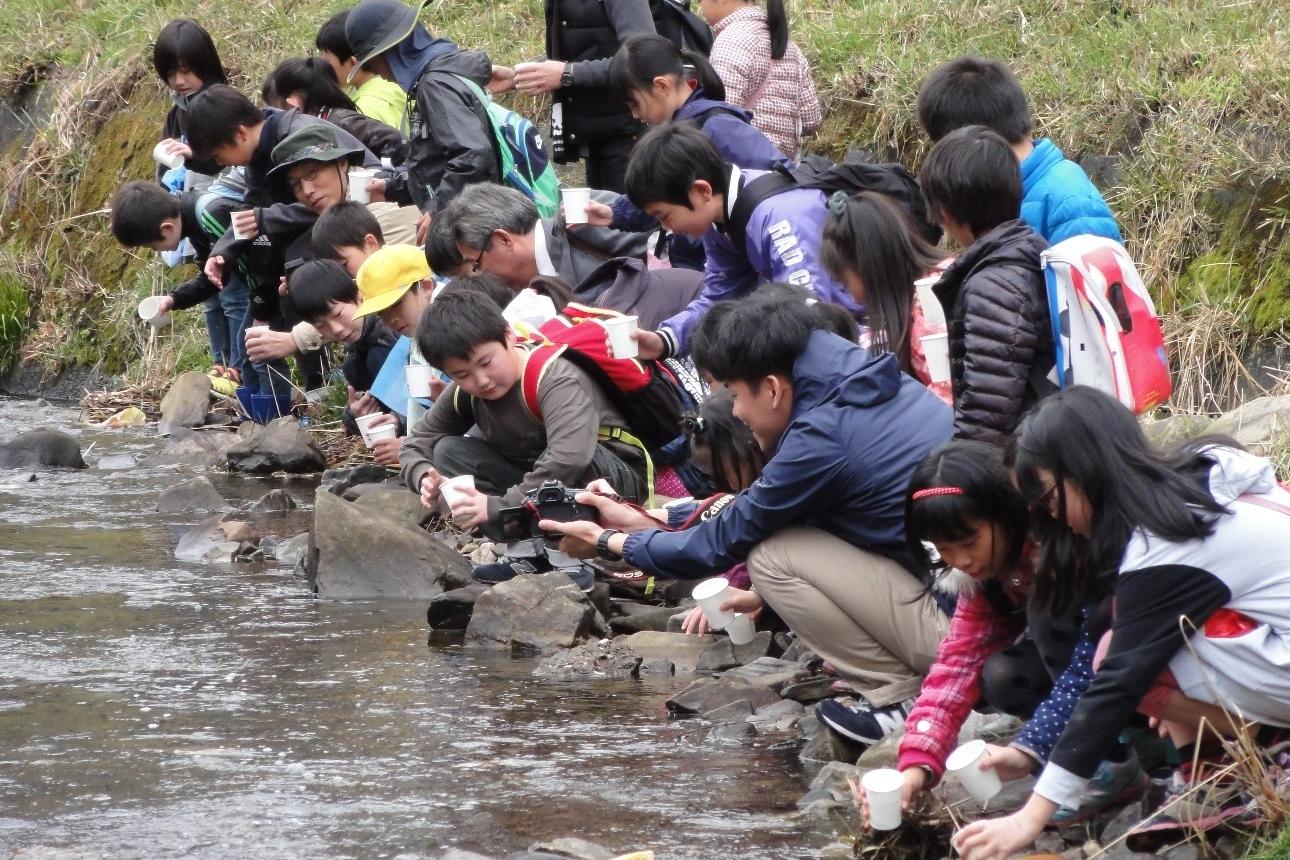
582, 575
862, 722
500, 571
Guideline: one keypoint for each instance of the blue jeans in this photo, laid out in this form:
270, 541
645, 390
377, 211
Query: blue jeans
226, 321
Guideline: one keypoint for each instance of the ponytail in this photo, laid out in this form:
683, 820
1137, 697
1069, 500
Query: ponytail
777, 23
314, 79
713, 87
641, 59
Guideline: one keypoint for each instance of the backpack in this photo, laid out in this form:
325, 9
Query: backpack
673, 19
852, 175
1105, 330
522, 160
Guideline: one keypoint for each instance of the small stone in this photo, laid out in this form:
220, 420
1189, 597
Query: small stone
198, 494
242, 532
291, 551
736, 711
786, 712
222, 553
273, 502
656, 666
130, 416
741, 732
483, 554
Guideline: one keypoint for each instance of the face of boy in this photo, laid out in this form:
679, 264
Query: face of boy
693, 220
404, 316
338, 66
490, 371
765, 411
981, 555
239, 152
319, 185
171, 235
339, 325
353, 256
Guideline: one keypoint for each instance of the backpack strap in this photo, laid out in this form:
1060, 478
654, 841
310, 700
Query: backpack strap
535, 367
752, 195
1250, 499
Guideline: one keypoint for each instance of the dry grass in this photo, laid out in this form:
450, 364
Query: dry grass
1207, 344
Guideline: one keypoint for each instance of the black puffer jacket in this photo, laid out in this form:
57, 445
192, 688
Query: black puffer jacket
385, 141
1000, 339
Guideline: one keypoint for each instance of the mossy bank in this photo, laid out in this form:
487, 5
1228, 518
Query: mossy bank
1178, 110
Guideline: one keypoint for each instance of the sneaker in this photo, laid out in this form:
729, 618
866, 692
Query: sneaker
500, 571
1113, 784
582, 575
862, 722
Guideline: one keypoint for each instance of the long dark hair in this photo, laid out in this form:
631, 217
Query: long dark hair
730, 445
977, 489
874, 238
1087, 437
314, 80
777, 24
641, 59
183, 43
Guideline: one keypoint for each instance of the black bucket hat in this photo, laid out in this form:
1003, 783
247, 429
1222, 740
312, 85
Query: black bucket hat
315, 142
375, 26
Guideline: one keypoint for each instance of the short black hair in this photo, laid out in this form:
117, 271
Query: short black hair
138, 209
183, 43
668, 160
331, 37
343, 226
973, 175
485, 284
214, 116
973, 91
457, 323
442, 252
758, 336
315, 285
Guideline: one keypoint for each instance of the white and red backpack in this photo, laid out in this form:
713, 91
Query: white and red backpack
1105, 330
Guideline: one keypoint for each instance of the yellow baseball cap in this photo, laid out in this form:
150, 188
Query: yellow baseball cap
385, 276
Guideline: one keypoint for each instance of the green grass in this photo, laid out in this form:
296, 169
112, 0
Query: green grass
1277, 848
1187, 99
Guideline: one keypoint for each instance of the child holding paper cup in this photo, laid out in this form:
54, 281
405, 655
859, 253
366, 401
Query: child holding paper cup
185, 59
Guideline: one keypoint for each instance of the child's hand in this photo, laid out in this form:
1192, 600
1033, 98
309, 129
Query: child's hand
266, 344
649, 343
386, 451
598, 215
245, 224
914, 780
695, 623
214, 271
175, 147
1009, 762
282, 285
501, 80
471, 508
166, 304
361, 403
430, 482
423, 227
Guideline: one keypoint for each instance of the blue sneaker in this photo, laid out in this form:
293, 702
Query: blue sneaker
862, 722
1113, 784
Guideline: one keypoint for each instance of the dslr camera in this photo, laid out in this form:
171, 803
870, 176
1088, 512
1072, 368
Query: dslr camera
551, 501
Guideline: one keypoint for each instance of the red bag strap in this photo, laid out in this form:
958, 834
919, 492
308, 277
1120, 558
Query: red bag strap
535, 367
1267, 503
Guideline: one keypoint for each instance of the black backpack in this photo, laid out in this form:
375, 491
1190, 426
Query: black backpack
673, 19
853, 174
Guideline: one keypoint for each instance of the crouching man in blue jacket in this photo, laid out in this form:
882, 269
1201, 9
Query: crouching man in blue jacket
822, 529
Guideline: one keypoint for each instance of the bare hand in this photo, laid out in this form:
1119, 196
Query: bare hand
386, 451
579, 538
266, 344
603, 487
376, 190
501, 79
913, 778
437, 387
695, 623
214, 271
999, 838
282, 285
649, 343
361, 403
598, 215
617, 515
175, 147
471, 508
1009, 762
245, 224
166, 304
430, 482
423, 227
539, 77
748, 603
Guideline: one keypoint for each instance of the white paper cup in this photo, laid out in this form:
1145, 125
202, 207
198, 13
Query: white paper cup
236, 233
453, 489
166, 159
151, 313
358, 179
385, 431
936, 351
964, 765
575, 204
419, 378
710, 594
741, 630
882, 789
364, 422
619, 329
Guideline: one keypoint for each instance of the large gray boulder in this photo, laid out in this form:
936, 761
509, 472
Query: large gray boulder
362, 554
186, 403
200, 450
395, 503
41, 449
197, 494
532, 613
1256, 423
280, 446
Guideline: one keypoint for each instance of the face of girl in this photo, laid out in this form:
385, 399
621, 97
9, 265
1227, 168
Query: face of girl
855, 285
981, 555
183, 82
656, 105
1079, 513
317, 184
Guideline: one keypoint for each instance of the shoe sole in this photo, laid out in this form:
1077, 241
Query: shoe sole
1128, 794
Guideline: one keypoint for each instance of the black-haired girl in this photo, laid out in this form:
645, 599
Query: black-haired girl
185, 59
1192, 543
309, 84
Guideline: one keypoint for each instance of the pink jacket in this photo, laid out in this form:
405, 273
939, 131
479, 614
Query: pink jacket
780, 93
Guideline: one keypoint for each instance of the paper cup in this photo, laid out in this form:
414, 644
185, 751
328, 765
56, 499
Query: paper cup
936, 351
882, 789
236, 233
385, 431
619, 329
575, 204
364, 422
419, 379
964, 763
166, 159
741, 630
358, 179
710, 594
453, 489
151, 313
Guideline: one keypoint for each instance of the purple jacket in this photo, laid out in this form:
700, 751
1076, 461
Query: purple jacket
782, 245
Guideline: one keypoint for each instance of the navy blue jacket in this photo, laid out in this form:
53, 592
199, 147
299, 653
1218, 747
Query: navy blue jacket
859, 428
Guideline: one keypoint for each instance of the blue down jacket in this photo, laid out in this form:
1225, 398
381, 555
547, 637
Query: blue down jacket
858, 429
1059, 200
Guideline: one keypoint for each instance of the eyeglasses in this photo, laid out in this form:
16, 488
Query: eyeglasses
478, 263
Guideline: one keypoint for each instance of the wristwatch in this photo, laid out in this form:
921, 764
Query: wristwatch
566, 77
602, 545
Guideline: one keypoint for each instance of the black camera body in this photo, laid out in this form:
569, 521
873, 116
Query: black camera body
551, 501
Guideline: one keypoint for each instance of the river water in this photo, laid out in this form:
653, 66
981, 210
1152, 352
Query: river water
150, 708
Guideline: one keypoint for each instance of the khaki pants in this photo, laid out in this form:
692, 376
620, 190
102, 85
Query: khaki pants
398, 223
864, 613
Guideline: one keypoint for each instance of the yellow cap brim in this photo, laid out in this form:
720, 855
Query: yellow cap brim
376, 304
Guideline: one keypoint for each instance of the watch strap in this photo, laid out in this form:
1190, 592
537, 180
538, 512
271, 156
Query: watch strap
602, 545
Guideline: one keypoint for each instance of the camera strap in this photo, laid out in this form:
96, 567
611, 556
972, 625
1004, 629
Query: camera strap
618, 434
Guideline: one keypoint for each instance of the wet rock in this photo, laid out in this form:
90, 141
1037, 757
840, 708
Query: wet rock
885, 753
364, 555
240, 531
452, 609
272, 502
280, 446
338, 481
723, 654
186, 403
200, 540
681, 649
396, 504
199, 450
708, 694
130, 416
601, 660
769, 672
656, 666
778, 716
822, 744
810, 689
532, 612
636, 617
224, 552
572, 847
116, 462
795, 649
50, 449
741, 732
459, 854
290, 551
831, 785
197, 494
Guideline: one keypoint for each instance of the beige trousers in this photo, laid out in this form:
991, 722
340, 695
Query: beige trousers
862, 612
